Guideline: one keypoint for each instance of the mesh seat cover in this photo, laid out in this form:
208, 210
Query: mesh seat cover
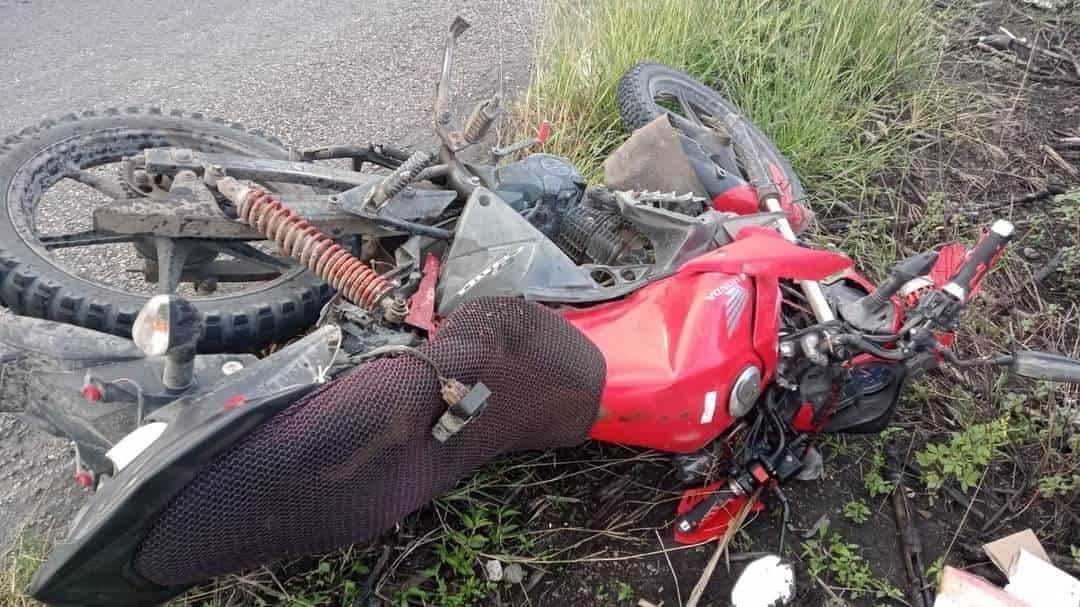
347, 462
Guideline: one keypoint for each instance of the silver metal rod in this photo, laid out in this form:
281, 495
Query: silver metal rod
811, 288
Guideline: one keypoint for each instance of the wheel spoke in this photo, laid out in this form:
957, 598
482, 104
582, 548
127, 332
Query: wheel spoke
85, 238
110, 187
688, 109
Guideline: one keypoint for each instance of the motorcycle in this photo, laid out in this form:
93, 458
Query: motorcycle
519, 310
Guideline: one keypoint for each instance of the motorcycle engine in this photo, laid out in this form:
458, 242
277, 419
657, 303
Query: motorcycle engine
586, 224
543, 188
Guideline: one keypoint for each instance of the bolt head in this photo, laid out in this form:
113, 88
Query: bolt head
231, 366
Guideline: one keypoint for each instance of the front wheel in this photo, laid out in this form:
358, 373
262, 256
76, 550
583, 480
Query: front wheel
54, 265
649, 90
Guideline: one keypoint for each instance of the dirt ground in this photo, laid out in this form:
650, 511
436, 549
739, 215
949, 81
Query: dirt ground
603, 514
36, 492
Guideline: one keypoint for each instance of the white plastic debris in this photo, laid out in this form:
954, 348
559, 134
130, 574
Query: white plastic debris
1033, 580
766, 582
961, 589
1038, 582
513, 574
494, 570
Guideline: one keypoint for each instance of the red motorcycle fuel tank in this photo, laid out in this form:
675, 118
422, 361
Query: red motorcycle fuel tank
674, 350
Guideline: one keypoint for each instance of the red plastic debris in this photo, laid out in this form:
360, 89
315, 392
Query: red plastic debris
92, 392
544, 132
235, 401
84, 479
716, 522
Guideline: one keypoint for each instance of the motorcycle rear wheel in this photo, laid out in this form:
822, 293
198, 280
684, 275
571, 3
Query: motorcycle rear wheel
34, 283
645, 85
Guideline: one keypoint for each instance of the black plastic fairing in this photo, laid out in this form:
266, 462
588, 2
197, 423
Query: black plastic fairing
868, 399
74, 347
497, 252
93, 566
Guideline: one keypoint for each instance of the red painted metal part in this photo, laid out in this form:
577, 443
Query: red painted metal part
950, 258
92, 392
717, 520
422, 304
743, 200
798, 216
675, 347
760, 251
673, 350
804, 419
767, 324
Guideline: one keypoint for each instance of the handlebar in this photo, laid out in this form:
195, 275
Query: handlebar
980, 260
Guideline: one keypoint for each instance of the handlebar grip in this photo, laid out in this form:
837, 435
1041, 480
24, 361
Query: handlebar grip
980, 260
1046, 366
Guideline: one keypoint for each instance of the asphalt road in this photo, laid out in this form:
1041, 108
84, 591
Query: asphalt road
309, 71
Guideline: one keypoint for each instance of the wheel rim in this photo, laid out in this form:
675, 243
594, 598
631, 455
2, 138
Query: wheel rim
45, 198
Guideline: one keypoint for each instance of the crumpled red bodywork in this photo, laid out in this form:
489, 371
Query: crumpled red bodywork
675, 348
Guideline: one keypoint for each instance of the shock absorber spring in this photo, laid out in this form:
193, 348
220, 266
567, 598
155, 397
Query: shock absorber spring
347, 274
481, 120
401, 177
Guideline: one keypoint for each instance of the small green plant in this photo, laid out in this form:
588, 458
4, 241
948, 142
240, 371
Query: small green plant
1058, 485
964, 457
480, 526
624, 592
873, 480
936, 570
1075, 550
856, 511
332, 580
828, 555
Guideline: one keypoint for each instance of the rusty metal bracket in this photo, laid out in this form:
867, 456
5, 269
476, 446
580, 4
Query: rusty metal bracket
182, 218
264, 170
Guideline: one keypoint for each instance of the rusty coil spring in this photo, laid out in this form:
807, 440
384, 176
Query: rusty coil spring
480, 121
401, 177
348, 275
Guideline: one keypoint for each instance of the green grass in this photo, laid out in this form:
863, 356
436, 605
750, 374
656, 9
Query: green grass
17, 566
826, 79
